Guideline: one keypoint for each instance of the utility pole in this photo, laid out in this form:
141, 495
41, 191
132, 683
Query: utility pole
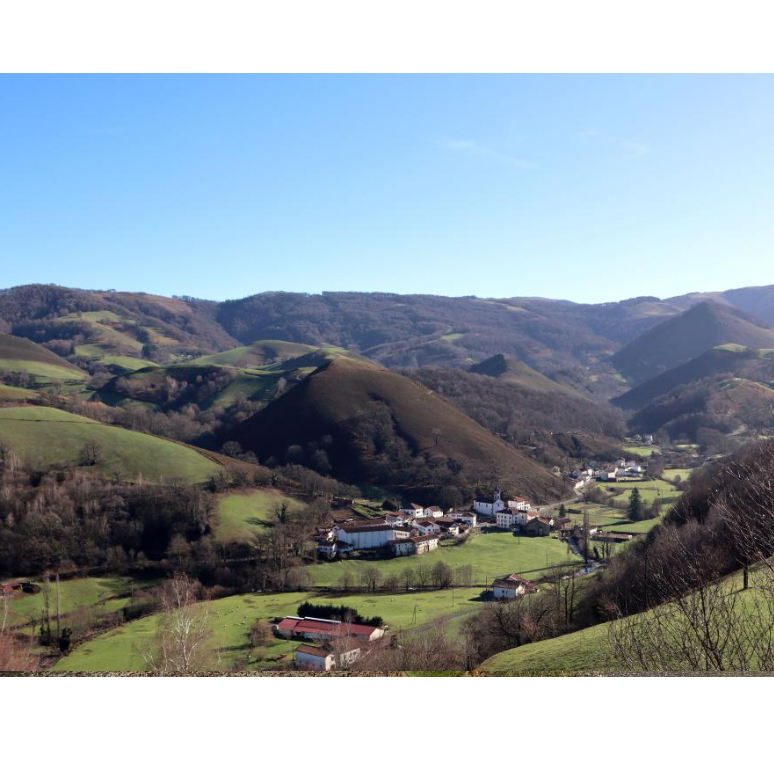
57, 608
586, 536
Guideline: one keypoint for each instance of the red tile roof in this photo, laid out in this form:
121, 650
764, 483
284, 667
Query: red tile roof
305, 626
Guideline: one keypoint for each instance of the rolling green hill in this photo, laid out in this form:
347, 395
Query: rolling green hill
586, 649
509, 369
364, 415
173, 386
18, 354
257, 355
219, 380
48, 437
230, 621
682, 338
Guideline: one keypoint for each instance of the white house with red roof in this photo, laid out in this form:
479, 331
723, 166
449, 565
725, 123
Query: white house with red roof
512, 586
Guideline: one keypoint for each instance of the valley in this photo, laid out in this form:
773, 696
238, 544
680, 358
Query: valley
416, 459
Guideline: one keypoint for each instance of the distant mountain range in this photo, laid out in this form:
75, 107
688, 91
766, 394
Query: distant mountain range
573, 344
654, 358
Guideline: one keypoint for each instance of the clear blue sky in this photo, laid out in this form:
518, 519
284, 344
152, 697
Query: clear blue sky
591, 188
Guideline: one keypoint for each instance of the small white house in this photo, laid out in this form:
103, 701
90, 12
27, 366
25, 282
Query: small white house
425, 543
519, 504
414, 511
403, 547
310, 658
327, 548
428, 527
465, 518
511, 587
433, 512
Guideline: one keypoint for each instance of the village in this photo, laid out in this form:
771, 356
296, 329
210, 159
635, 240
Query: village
414, 529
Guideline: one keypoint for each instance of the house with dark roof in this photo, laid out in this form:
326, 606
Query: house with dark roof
538, 527
369, 534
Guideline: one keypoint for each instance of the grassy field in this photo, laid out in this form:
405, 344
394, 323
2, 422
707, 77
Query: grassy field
73, 594
44, 372
46, 437
649, 490
640, 451
15, 393
18, 354
248, 384
613, 519
230, 621
491, 555
125, 362
258, 354
587, 649
241, 515
683, 473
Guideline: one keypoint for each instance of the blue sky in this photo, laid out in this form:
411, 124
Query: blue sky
592, 188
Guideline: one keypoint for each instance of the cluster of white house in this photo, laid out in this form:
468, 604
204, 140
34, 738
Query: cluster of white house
417, 529
622, 469
517, 513
412, 530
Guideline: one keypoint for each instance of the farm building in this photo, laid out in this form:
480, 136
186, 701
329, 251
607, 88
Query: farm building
365, 534
512, 586
611, 537
325, 630
323, 659
538, 528
419, 544
310, 658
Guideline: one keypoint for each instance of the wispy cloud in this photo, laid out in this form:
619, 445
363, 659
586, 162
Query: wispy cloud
624, 147
635, 148
475, 148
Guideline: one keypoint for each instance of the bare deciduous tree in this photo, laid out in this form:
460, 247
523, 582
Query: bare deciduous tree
183, 628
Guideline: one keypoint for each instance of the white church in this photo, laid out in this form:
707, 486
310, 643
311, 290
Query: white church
493, 506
